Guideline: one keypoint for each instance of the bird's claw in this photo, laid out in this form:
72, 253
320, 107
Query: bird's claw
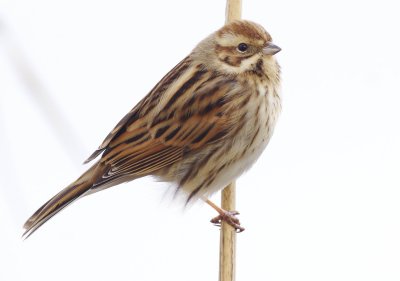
230, 218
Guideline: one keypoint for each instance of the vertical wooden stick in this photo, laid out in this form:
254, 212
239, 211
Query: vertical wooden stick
227, 247
227, 250
233, 10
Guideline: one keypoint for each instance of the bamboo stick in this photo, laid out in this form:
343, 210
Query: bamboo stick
227, 250
233, 10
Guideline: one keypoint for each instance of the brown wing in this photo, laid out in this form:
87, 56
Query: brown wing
146, 104
197, 110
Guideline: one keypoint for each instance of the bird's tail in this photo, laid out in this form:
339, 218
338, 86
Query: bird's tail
61, 200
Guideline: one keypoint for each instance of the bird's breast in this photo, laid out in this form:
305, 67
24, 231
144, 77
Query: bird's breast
246, 147
262, 115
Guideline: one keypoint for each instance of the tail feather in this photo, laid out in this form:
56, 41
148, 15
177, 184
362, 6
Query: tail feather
61, 200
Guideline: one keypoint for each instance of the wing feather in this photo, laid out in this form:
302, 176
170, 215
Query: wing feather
142, 107
200, 111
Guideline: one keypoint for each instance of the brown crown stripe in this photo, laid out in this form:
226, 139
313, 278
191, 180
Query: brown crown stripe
246, 29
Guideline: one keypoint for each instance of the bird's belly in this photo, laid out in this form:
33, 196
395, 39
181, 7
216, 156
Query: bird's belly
248, 147
242, 158
211, 170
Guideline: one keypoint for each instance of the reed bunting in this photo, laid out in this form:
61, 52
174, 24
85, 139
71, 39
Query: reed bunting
199, 128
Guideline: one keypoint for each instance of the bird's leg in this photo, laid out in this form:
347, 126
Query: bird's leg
228, 216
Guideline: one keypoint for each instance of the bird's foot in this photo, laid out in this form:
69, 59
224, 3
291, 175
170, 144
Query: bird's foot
230, 218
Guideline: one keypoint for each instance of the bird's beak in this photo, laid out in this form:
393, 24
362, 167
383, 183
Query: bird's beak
271, 49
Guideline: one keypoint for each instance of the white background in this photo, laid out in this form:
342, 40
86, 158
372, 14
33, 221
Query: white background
322, 203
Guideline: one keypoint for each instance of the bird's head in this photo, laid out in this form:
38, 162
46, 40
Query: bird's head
237, 47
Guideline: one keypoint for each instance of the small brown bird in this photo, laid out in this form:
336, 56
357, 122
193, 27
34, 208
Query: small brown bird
200, 127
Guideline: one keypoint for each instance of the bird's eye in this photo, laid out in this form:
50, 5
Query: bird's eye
242, 47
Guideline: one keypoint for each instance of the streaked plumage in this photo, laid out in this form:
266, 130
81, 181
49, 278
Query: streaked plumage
200, 127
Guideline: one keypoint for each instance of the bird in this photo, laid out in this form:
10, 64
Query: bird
202, 125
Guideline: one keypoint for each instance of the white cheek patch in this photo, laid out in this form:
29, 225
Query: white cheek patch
248, 64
